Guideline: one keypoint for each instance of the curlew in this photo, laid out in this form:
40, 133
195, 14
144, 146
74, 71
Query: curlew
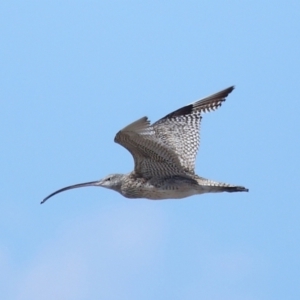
164, 156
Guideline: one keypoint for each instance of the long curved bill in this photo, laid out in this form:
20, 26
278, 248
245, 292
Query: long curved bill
75, 186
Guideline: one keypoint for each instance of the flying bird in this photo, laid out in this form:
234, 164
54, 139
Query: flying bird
164, 156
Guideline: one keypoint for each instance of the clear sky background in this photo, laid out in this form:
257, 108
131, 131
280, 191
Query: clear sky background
73, 73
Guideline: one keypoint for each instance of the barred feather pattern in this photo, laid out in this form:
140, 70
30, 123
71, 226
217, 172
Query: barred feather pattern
181, 135
151, 156
169, 146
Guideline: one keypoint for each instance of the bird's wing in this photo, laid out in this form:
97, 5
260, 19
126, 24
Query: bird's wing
179, 130
169, 146
152, 158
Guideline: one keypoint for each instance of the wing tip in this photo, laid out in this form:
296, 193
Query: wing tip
206, 104
213, 101
136, 126
228, 90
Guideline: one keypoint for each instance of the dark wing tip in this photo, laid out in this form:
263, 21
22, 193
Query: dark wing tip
224, 93
206, 104
212, 102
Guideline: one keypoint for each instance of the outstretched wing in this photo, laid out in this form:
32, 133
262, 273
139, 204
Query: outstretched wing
152, 157
180, 130
169, 146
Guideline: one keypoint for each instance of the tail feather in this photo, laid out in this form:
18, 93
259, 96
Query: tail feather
232, 189
215, 186
229, 189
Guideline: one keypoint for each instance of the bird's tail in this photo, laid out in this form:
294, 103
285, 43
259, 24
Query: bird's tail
234, 188
216, 187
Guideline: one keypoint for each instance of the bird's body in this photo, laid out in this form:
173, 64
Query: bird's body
172, 187
164, 156
157, 188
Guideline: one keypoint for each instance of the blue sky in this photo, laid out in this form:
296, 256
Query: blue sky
73, 73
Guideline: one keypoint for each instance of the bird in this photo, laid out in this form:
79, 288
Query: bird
164, 155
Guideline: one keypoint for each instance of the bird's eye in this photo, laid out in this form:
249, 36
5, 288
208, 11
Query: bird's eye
108, 179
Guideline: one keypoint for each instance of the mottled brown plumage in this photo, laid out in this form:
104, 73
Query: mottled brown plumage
164, 156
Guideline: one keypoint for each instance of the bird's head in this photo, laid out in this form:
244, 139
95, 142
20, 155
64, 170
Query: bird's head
113, 182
